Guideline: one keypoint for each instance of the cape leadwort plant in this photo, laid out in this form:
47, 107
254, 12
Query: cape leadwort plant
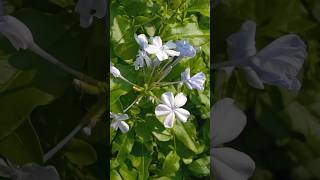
157, 60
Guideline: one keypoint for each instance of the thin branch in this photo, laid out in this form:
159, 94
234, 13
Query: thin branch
79, 75
94, 112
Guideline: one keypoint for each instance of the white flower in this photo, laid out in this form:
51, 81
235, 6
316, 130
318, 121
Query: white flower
142, 59
185, 49
141, 40
227, 122
85, 9
161, 51
277, 64
18, 33
118, 122
114, 71
27, 172
171, 108
196, 82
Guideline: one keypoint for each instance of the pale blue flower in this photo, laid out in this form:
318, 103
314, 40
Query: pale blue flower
171, 108
16, 32
85, 9
115, 71
227, 122
141, 40
277, 64
29, 171
142, 59
162, 52
195, 82
185, 49
118, 122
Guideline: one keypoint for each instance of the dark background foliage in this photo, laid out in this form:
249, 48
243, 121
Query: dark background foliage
282, 134
39, 104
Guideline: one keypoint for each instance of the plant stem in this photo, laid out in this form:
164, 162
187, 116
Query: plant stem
79, 75
165, 73
65, 140
169, 83
126, 80
95, 111
169, 61
151, 75
136, 100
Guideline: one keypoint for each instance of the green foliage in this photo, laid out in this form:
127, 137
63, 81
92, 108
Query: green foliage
149, 150
39, 104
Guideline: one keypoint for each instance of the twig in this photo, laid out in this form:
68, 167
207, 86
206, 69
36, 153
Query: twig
38, 50
95, 111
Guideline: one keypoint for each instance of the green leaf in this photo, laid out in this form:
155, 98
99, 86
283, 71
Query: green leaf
127, 51
189, 31
123, 144
201, 6
22, 146
16, 106
171, 164
114, 175
305, 123
186, 136
201, 166
127, 173
80, 152
141, 163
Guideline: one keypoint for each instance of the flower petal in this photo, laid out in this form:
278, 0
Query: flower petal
115, 124
198, 80
33, 171
182, 114
227, 121
156, 41
114, 71
152, 49
172, 52
161, 55
168, 99
141, 40
168, 122
170, 45
162, 110
229, 164
279, 62
252, 78
123, 126
242, 44
185, 75
180, 100
122, 117
16, 32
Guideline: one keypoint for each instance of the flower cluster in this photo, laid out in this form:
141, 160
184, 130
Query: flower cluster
151, 55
